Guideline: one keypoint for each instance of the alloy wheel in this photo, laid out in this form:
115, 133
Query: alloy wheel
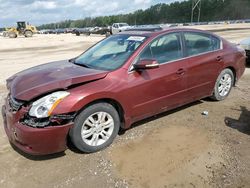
225, 84
97, 128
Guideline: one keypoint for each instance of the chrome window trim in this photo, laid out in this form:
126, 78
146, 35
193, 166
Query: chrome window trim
131, 67
130, 70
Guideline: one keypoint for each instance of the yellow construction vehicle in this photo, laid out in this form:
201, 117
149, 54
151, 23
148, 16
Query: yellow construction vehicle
22, 28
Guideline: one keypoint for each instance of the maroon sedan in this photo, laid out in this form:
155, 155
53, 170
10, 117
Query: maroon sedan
120, 80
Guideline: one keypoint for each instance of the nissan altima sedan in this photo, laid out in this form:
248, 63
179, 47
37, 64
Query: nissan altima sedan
122, 79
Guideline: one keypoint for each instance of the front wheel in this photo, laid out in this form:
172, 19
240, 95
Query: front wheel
223, 85
12, 35
95, 128
28, 33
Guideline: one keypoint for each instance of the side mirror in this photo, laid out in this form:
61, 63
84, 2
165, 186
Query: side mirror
146, 64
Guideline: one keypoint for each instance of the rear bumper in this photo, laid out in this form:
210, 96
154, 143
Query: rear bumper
35, 141
240, 67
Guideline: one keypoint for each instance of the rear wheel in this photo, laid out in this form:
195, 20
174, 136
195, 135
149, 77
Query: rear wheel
224, 84
87, 33
5, 34
12, 35
28, 33
95, 127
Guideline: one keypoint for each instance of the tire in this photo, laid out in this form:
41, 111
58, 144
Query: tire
223, 85
89, 134
28, 33
5, 34
87, 34
77, 33
108, 34
12, 35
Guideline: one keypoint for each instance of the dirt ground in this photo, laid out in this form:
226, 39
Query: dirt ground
180, 148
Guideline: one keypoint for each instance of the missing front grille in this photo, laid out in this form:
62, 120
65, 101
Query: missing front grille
14, 104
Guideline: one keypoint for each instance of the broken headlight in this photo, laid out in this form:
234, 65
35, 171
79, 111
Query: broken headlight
43, 107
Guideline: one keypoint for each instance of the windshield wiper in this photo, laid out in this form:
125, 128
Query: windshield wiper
82, 65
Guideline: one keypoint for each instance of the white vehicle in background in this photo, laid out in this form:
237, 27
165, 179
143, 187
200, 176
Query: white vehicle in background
119, 27
245, 44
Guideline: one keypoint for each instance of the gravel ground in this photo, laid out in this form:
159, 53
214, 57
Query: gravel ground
180, 148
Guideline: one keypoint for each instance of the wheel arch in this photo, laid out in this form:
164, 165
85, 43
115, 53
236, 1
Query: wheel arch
234, 72
28, 30
112, 102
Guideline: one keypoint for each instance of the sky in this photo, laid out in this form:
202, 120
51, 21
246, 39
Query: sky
38, 12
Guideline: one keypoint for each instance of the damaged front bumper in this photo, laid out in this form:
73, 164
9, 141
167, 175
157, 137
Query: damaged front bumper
32, 140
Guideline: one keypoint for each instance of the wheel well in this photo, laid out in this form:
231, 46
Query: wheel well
234, 72
114, 103
28, 30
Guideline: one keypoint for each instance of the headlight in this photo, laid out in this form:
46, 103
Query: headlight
43, 107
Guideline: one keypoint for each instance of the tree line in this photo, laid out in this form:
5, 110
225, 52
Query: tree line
176, 12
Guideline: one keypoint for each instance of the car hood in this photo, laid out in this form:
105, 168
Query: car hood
125, 27
49, 77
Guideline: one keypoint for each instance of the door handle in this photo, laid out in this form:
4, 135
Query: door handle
219, 58
181, 71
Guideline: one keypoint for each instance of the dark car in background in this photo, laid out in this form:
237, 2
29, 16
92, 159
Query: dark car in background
100, 30
60, 31
91, 30
122, 79
79, 31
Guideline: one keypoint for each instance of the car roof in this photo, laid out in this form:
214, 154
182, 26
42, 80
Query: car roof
152, 33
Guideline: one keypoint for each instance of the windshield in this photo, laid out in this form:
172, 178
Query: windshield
110, 53
123, 24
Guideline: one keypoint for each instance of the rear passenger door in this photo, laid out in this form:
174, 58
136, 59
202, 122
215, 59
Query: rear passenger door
204, 55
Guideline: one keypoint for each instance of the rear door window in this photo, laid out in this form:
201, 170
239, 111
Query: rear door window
198, 43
